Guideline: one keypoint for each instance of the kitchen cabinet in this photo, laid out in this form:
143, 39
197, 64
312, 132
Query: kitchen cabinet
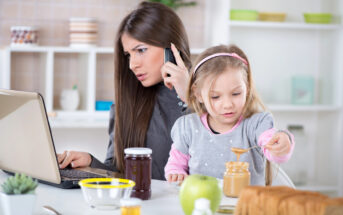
48, 70
281, 51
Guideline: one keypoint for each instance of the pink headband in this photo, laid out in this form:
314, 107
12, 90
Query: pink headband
218, 55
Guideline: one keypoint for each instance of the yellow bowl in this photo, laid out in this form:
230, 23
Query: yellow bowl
318, 18
105, 193
243, 15
272, 17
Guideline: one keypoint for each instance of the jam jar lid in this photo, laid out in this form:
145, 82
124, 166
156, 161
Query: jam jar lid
138, 151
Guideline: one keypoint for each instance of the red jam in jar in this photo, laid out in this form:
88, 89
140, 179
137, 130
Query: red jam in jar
138, 169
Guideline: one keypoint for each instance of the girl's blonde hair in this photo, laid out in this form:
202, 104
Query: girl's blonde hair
216, 66
211, 69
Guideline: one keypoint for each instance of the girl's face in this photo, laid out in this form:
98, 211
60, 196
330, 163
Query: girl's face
145, 60
225, 100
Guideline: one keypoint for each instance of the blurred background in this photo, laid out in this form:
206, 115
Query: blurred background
64, 50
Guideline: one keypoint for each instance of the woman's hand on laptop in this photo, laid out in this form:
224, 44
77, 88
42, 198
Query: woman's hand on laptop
74, 158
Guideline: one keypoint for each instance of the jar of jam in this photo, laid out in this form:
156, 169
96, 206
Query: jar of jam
138, 169
236, 177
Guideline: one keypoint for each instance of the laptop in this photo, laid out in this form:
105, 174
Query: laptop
26, 142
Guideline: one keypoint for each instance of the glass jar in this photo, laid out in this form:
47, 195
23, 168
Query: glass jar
236, 177
138, 169
130, 206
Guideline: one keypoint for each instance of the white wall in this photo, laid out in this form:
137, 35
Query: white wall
93, 140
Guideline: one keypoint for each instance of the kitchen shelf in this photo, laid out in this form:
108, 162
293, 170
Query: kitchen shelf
285, 25
60, 49
303, 108
66, 49
79, 119
99, 119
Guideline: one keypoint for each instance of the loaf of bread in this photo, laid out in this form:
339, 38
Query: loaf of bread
282, 200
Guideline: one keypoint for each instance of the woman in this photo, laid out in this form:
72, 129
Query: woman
148, 93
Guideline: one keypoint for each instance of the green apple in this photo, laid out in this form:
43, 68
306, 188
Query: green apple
199, 186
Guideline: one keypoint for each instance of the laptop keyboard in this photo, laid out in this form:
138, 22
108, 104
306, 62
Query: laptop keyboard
78, 174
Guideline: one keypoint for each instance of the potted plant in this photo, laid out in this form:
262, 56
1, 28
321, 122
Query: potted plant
18, 195
175, 4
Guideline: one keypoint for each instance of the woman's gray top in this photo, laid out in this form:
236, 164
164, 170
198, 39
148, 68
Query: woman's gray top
168, 108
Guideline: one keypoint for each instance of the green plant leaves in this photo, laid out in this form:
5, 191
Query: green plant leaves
19, 184
175, 3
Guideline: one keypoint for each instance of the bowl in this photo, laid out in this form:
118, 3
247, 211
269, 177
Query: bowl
105, 193
319, 18
272, 17
243, 15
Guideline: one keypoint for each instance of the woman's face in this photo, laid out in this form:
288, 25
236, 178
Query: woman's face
145, 60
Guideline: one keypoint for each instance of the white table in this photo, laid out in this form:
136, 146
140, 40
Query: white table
164, 200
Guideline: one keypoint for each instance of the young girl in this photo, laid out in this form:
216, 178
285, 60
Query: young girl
228, 114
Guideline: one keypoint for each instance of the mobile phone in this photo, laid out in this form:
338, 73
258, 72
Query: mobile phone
168, 56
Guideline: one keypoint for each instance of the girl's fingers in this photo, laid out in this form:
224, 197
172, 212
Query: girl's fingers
272, 142
180, 177
279, 149
275, 139
177, 56
169, 178
174, 177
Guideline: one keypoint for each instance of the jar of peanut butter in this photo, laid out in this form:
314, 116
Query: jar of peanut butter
236, 177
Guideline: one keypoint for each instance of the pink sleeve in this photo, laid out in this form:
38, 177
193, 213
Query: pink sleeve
264, 139
177, 163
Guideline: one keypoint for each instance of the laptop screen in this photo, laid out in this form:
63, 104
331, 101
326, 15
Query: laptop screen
26, 144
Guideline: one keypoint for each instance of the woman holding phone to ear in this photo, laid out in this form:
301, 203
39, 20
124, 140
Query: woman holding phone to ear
149, 93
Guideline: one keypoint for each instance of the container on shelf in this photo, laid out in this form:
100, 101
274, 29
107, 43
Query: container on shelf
83, 32
302, 90
70, 99
243, 15
103, 105
318, 18
272, 16
24, 36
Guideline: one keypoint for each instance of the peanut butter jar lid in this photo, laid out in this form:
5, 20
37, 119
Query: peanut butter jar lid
138, 151
236, 164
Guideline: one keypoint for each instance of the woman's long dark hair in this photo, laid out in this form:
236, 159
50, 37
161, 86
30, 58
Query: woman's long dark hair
154, 24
